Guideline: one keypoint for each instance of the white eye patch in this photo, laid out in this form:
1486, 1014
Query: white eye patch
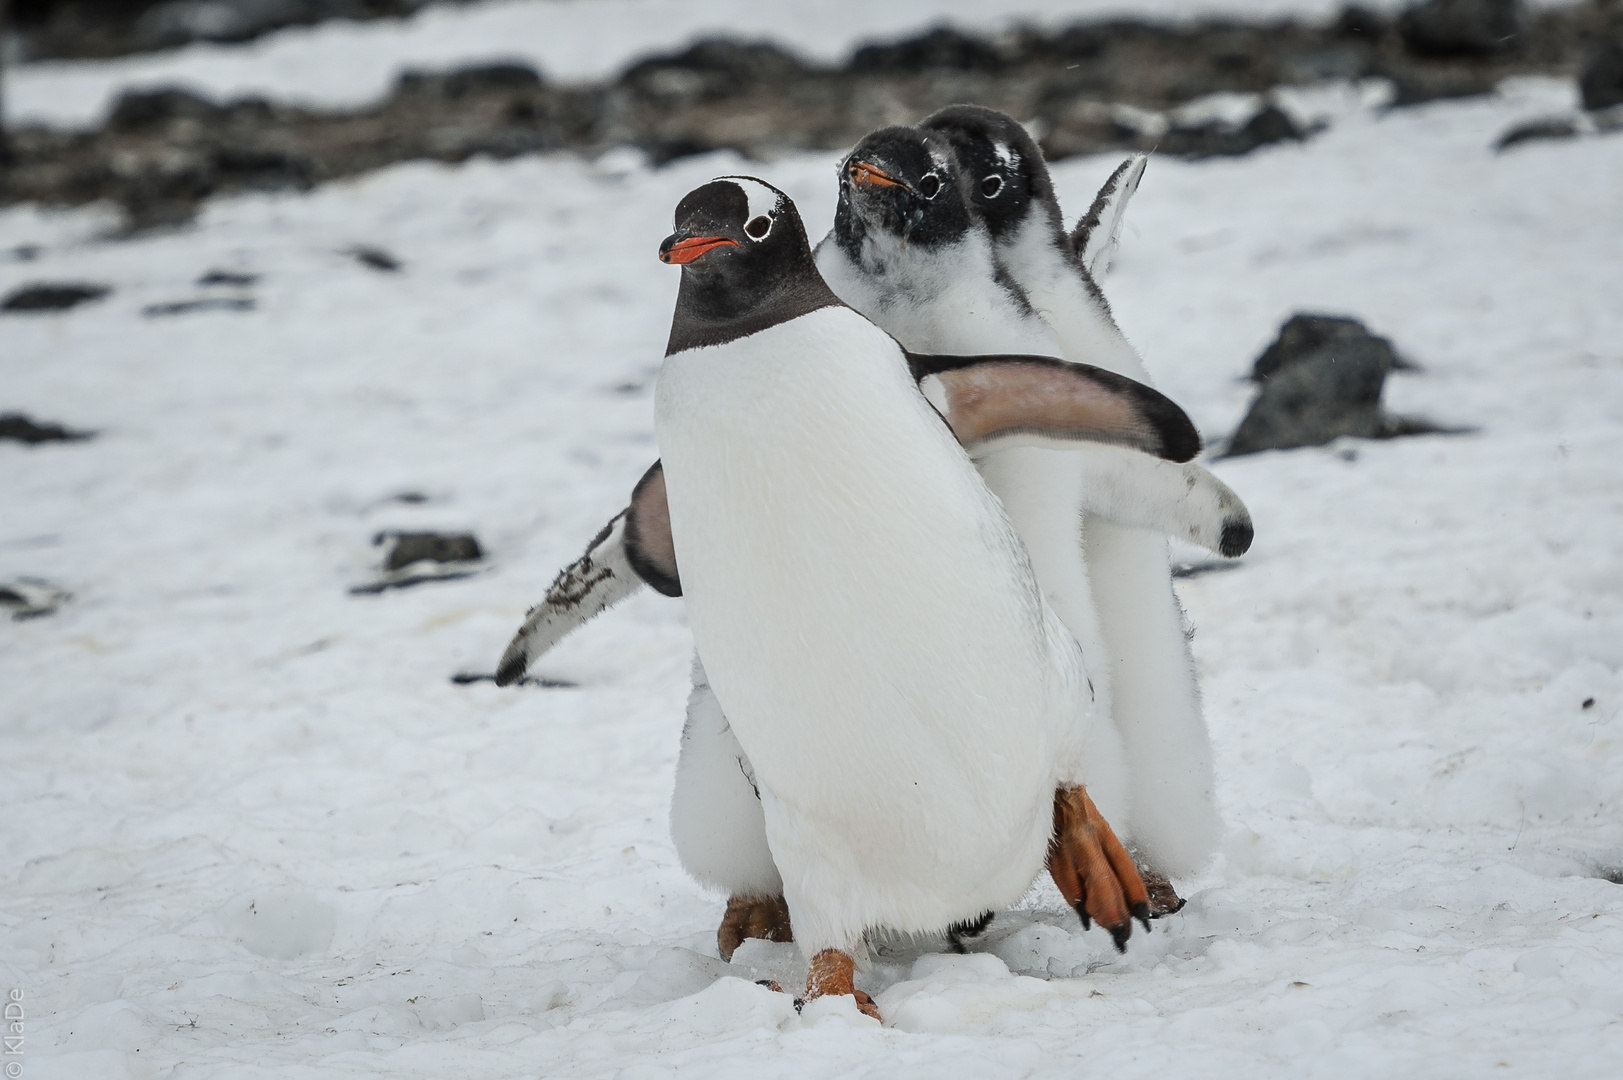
763, 200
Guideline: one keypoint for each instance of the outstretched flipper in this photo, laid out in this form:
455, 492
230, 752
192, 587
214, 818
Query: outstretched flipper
996, 401
1092, 868
632, 550
989, 402
1182, 500
1096, 235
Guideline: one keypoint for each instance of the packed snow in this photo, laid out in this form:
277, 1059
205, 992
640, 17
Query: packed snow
252, 829
344, 63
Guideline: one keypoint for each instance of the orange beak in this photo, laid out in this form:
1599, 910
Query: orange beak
861, 172
685, 251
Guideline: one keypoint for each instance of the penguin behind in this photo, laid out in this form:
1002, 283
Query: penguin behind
1155, 699
859, 595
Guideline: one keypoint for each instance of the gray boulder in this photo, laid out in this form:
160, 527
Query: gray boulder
1331, 391
1601, 80
1462, 27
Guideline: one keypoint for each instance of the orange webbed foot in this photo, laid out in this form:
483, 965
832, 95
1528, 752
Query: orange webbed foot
1092, 868
834, 972
765, 917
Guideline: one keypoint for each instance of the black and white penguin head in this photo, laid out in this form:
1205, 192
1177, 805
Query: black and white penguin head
1001, 168
746, 263
900, 182
732, 227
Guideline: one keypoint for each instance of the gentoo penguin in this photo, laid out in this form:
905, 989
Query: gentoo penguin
1155, 702
867, 614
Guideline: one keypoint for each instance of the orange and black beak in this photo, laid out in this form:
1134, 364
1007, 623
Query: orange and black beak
861, 173
679, 248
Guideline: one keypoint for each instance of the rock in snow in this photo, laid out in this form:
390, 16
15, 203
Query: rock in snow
1321, 379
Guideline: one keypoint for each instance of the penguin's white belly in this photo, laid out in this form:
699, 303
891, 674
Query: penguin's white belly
870, 625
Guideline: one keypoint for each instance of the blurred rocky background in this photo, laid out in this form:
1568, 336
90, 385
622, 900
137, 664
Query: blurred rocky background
1087, 88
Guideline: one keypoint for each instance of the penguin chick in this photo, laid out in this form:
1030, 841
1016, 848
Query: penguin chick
1155, 703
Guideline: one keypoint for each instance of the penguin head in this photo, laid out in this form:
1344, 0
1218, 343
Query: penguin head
746, 263
900, 181
1000, 167
733, 227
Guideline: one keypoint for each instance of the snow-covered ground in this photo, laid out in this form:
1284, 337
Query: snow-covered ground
343, 63
251, 829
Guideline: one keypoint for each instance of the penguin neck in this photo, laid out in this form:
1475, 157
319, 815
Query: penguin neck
1037, 254
715, 307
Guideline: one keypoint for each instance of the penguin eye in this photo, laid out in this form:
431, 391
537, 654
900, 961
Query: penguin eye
930, 186
991, 186
758, 227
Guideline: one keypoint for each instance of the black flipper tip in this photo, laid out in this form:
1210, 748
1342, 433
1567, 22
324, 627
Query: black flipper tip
1141, 912
512, 670
1236, 539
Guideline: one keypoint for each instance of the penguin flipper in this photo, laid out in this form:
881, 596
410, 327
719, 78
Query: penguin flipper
1182, 500
649, 547
1096, 235
633, 549
584, 589
1040, 401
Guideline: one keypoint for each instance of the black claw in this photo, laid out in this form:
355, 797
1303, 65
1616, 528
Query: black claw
1120, 934
1087, 923
1141, 912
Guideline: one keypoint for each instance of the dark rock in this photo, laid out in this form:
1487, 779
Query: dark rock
1361, 23
1419, 86
1217, 139
375, 257
1321, 395
1601, 80
180, 21
410, 547
141, 110
263, 168
471, 81
228, 278
32, 598
941, 48
192, 307
19, 428
53, 296
1307, 333
1461, 27
713, 70
1320, 379
1534, 130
